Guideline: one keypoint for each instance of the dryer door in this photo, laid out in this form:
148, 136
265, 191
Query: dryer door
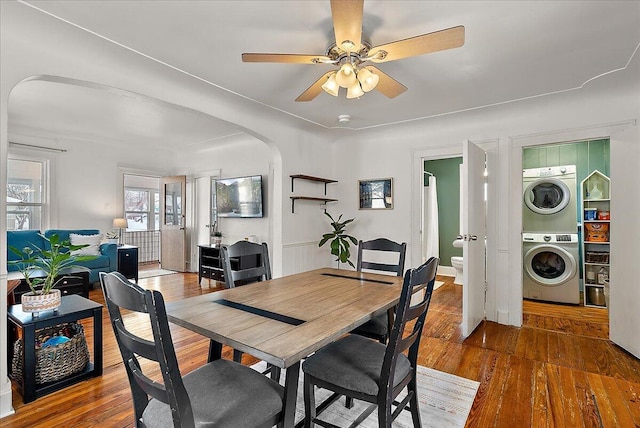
547, 195
550, 265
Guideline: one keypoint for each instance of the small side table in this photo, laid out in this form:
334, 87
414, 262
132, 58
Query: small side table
128, 261
73, 308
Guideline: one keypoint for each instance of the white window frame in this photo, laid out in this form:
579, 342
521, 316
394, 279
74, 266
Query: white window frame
151, 214
48, 163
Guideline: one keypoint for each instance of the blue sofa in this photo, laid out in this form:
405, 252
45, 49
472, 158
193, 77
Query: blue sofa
107, 261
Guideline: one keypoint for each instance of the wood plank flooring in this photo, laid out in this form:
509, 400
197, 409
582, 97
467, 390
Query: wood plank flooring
558, 370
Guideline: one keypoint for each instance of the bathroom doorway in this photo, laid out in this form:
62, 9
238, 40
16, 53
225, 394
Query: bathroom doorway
441, 211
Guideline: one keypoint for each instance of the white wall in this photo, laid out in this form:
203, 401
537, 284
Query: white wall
88, 189
388, 152
238, 156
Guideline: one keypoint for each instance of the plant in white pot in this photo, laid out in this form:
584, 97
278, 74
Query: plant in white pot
111, 237
44, 268
217, 238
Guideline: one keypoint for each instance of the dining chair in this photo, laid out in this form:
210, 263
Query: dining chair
360, 368
215, 394
257, 268
379, 327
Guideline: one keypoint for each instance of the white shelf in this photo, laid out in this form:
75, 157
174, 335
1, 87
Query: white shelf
597, 251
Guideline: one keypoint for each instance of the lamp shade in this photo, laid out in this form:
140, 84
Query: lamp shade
354, 91
331, 87
368, 80
346, 76
120, 223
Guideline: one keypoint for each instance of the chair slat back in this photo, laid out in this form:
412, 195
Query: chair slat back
386, 245
252, 274
414, 279
120, 293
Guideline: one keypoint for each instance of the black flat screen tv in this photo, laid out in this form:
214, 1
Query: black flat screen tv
239, 197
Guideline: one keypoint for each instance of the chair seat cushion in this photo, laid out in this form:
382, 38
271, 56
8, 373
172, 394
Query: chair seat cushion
354, 363
378, 326
223, 394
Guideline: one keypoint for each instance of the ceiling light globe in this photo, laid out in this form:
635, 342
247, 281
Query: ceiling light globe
331, 87
354, 91
346, 76
368, 80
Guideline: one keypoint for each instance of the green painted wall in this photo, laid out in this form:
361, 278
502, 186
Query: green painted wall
447, 172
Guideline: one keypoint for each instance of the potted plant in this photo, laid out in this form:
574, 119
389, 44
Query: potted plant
111, 237
339, 240
217, 238
44, 268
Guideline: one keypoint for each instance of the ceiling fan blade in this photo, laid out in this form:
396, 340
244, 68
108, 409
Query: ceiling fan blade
286, 58
315, 89
387, 85
419, 45
347, 21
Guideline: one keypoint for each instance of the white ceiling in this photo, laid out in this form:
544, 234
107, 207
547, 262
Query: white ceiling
513, 50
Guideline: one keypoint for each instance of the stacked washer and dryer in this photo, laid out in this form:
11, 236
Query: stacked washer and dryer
550, 235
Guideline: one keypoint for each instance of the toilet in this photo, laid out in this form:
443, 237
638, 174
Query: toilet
456, 262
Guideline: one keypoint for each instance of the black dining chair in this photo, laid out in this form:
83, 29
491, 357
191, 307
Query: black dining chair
221, 393
363, 369
379, 327
243, 263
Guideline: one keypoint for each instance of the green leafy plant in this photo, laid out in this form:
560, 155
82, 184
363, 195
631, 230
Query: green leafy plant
339, 239
48, 264
111, 235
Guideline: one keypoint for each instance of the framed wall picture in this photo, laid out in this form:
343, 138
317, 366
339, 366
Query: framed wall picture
376, 194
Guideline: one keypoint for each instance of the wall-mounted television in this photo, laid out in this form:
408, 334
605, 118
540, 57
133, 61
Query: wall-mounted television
239, 197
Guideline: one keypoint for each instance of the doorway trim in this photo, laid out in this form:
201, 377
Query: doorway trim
517, 145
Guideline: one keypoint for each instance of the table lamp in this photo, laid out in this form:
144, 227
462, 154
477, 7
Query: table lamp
120, 223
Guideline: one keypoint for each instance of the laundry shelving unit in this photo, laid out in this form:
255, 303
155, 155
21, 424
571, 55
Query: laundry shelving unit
324, 199
596, 221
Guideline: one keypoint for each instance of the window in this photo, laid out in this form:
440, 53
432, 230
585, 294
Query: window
142, 208
26, 194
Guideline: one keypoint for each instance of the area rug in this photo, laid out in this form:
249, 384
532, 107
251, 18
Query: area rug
445, 402
154, 272
438, 284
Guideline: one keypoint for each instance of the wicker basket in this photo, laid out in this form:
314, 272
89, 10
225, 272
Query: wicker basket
54, 362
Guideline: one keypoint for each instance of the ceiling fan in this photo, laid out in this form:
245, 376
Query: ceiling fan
350, 53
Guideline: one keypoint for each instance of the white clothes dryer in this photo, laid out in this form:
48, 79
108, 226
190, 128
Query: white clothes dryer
550, 267
550, 200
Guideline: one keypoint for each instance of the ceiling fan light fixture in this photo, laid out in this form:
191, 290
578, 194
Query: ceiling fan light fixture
354, 91
368, 80
331, 87
346, 76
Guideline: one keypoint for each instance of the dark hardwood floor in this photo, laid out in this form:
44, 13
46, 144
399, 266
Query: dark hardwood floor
557, 370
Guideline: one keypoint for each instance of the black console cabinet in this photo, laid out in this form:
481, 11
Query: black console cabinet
210, 263
128, 261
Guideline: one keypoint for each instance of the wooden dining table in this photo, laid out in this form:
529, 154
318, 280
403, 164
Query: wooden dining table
283, 320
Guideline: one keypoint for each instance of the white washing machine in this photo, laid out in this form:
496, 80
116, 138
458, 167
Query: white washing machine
550, 267
550, 199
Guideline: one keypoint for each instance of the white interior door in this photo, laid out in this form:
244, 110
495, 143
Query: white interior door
172, 223
624, 315
204, 222
473, 233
